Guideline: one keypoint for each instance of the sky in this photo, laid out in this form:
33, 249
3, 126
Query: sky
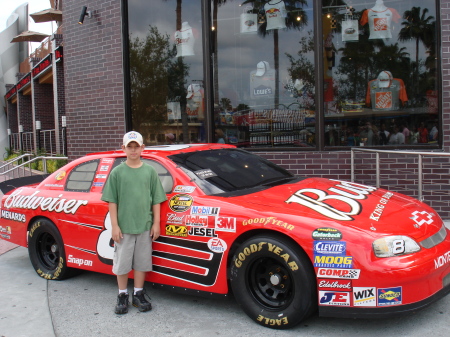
8, 6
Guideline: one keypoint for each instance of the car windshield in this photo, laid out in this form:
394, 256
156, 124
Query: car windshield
229, 170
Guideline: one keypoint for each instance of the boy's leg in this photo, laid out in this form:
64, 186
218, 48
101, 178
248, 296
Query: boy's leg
139, 279
139, 298
122, 298
122, 281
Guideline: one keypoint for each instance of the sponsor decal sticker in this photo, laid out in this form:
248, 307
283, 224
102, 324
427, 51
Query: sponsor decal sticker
181, 202
53, 185
205, 210
5, 236
332, 261
184, 189
389, 296
79, 262
326, 284
326, 233
379, 208
205, 174
202, 231
6, 229
364, 297
104, 168
421, 218
101, 176
225, 224
330, 247
268, 221
61, 175
176, 230
217, 245
336, 273
107, 161
19, 217
174, 218
196, 220
334, 298
442, 260
98, 184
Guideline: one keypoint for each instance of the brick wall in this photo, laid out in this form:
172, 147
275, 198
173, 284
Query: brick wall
94, 77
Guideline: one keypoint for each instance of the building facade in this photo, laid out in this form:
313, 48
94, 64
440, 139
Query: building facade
300, 82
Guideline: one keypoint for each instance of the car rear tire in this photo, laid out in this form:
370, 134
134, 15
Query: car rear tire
46, 251
273, 281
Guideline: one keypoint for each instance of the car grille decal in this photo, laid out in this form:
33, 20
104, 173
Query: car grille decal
190, 261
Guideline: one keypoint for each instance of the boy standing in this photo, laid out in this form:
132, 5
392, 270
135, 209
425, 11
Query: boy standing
134, 193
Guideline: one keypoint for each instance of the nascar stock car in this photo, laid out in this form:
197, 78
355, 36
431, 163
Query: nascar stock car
235, 223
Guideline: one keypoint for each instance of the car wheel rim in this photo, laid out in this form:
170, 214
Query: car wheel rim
48, 251
270, 283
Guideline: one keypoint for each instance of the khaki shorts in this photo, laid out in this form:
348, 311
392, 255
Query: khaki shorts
134, 252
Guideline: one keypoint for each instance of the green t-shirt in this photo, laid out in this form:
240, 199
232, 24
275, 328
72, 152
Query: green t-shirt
135, 191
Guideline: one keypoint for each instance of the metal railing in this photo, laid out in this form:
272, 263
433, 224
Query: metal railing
12, 169
418, 155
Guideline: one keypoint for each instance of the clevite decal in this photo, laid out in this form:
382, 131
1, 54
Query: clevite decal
33, 201
358, 192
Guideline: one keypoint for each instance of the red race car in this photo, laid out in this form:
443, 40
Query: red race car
234, 222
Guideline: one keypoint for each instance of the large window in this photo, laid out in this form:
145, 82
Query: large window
370, 79
380, 73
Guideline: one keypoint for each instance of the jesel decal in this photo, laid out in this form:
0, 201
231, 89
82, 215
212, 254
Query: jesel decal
346, 192
17, 200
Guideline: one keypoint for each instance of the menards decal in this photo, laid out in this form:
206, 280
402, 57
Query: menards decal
346, 192
33, 201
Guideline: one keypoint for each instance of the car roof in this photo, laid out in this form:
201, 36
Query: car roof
167, 150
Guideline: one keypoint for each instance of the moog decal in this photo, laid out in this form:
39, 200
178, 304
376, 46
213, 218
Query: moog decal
346, 192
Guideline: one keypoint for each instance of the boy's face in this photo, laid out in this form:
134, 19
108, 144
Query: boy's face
133, 150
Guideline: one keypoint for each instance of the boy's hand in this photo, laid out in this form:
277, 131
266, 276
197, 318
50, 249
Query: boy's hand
154, 232
116, 234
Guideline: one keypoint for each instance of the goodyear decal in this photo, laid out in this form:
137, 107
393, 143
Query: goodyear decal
268, 221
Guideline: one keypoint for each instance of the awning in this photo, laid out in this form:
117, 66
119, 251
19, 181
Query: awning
47, 15
29, 36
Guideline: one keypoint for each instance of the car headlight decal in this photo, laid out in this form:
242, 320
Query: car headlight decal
435, 239
394, 246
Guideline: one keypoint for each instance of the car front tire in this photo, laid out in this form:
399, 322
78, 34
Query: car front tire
273, 281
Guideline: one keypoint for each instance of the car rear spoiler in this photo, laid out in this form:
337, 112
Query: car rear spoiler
11, 184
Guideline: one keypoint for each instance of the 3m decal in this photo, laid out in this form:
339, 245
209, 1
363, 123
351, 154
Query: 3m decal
345, 192
442, 260
19, 217
176, 230
326, 233
364, 297
202, 231
253, 248
325, 284
181, 202
389, 296
336, 273
204, 210
329, 248
332, 261
379, 208
33, 201
225, 224
334, 298
421, 218
217, 245
273, 321
268, 221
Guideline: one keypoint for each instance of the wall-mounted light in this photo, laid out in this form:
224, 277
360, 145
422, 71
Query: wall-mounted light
84, 13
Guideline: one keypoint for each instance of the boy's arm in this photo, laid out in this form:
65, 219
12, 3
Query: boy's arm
155, 231
116, 232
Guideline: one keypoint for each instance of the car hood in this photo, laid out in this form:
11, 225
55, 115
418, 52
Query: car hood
350, 205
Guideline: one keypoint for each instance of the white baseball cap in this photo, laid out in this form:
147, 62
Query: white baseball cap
261, 68
384, 79
132, 136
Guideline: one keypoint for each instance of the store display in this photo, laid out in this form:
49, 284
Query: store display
275, 14
195, 103
173, 111
249, 21
350, 29
380, 20
185, 40
386, 93
262, 81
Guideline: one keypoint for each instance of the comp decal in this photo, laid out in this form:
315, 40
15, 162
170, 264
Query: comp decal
345, 192
389, 296
181, 202
364, 296
34, 201
266, 246
337, 273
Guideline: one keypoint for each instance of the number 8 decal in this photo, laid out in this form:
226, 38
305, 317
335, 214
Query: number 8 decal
105, 243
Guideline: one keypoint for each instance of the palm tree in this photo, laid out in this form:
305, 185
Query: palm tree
417, 26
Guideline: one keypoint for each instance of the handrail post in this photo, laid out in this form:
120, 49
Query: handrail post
377, 158
420, 178
352, 166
